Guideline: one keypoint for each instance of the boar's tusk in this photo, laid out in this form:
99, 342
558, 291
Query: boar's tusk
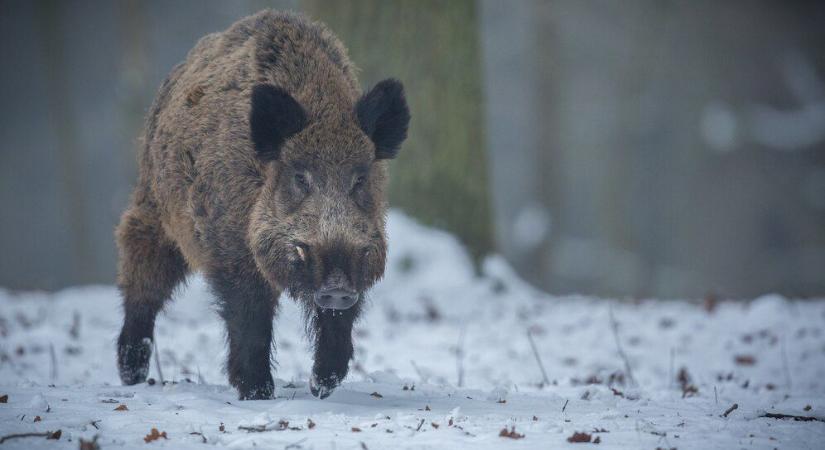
301, 253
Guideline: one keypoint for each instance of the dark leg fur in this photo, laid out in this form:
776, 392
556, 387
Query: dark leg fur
247, 304
332, 332
150, 269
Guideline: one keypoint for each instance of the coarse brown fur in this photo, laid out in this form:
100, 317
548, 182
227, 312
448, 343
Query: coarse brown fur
264, 167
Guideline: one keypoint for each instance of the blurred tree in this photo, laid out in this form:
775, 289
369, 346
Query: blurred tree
440, 176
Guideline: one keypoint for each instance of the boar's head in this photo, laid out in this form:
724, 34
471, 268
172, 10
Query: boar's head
317, 228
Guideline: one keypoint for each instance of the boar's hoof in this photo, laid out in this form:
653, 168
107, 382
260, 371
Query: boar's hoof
323, 388
261, 391
133, 360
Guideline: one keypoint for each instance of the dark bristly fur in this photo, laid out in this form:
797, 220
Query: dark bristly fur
264, 167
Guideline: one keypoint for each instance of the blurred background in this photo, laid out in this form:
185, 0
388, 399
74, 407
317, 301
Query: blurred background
626, 149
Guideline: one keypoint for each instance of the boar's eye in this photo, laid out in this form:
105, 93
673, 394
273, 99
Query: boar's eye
359, 182
301, 181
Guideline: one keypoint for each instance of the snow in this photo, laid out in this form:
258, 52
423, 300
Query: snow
431, 315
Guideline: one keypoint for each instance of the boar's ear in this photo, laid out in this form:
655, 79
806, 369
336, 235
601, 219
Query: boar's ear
275, 116
384, 117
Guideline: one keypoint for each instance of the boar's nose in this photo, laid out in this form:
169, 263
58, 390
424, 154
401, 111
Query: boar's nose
336, 298
336, 292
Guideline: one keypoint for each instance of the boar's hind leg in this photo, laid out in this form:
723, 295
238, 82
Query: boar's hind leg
150, 268
247, 304
333, 349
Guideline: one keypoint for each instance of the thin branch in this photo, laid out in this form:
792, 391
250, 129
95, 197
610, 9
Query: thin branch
53, 361
615, 327
791, 416
157, 361
459, 354
566, 401
418, 371
544, 379
785, 364
733, 408
47, 435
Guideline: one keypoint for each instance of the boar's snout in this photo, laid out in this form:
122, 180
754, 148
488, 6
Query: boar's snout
336, 299
336, 292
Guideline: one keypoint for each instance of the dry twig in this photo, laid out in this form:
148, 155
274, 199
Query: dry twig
544, 379
46, 434
733, 408
459, 354
791, 416
157, 361
53, 361
615, 327
785, 362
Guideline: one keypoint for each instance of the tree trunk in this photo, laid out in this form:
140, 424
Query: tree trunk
440, 176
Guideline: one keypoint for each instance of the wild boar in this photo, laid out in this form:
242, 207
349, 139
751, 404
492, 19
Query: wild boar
264, 167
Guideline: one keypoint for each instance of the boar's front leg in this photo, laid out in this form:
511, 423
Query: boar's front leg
247, 304
333, 349
150, 268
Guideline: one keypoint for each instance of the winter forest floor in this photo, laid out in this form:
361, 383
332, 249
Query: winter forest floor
443, 360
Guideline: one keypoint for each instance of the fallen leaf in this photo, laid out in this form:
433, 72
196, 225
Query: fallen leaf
4, 398
579, 437
154, 435
684, 379
55, 435
807, 407
689, 391
121, 408
376, 395
222, 428
310, 424
744, 360
510, 434
89, 445
37, 418
356, 430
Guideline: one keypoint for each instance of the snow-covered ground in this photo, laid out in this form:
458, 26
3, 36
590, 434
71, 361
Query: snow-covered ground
431, 323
